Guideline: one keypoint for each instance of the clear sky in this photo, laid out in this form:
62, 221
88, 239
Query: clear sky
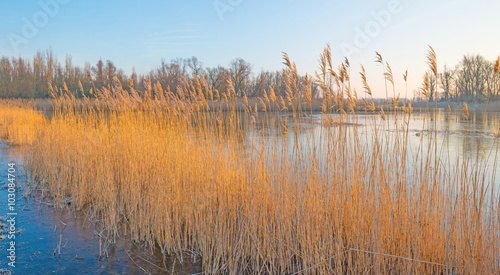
141, 33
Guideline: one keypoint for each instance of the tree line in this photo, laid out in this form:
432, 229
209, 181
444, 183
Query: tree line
35, 78
474, 78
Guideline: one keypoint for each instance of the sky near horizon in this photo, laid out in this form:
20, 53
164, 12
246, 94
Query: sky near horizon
141, 34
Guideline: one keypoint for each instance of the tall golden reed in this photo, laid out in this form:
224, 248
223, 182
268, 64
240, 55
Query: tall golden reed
20, 122
252, 189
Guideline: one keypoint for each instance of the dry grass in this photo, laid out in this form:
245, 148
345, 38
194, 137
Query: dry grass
20, 122
257, 192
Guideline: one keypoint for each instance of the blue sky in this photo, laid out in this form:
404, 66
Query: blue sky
141, 33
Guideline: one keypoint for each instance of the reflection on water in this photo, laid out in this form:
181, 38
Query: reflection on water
458, 138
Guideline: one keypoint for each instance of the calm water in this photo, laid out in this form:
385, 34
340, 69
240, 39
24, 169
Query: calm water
457, 137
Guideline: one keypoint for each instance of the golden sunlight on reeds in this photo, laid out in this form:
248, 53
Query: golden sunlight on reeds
20, 123
242, 189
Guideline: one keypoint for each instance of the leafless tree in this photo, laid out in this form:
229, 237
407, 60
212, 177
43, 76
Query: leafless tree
195, 66
472, 74
217, 78
98, 72
446, 79
240, 71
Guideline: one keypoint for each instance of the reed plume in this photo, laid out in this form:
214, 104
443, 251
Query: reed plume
247, 189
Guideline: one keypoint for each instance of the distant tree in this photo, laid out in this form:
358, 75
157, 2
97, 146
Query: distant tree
491, 81
496, 78
170, 74
195, 66
49, 72
217, 78
240, 71
133, 78
39, 74
262, 83
110, 72
6, 77
98, 72
279, 83
446, 81
70, 77
471, 76
432, 88
23, 80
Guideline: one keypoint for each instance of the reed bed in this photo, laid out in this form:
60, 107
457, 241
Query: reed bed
268, 188
20, 124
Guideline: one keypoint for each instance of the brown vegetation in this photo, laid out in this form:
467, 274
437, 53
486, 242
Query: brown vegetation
256, 192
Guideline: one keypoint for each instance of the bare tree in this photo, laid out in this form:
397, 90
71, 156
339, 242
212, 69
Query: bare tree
98, 72
5, 77
240, 71
432, 86
195, 65
472, 74
446, 79
217, 78
110, 71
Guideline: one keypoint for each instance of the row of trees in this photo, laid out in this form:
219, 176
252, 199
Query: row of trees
30, 78
474, 78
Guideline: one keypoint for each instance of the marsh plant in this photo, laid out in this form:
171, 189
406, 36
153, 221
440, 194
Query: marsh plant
270, 187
